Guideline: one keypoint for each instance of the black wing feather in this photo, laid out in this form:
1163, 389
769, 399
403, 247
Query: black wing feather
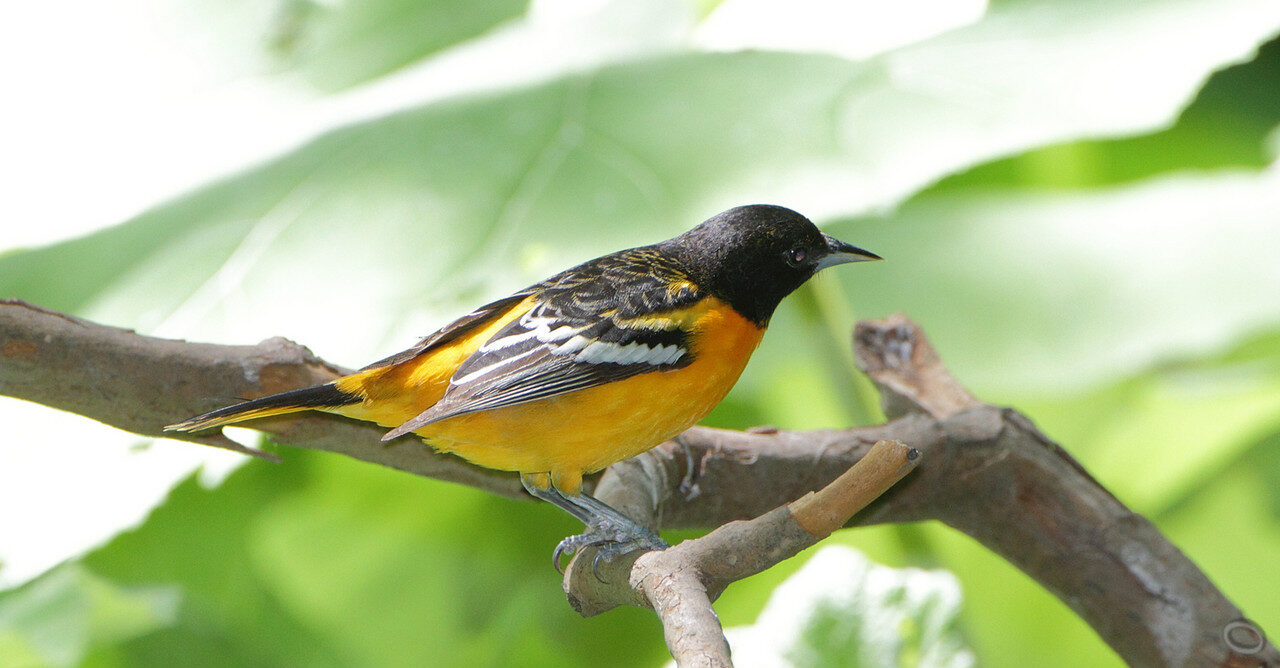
548, 350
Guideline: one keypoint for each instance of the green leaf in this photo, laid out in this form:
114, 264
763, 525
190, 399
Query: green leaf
1010, 619
1177, 426
340, 44
330, 45
1030, 292
58, 618
406, 218
1226, 126
466, 574
328, 561
196, 542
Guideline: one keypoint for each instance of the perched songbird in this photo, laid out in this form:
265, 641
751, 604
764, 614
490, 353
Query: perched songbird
589, 367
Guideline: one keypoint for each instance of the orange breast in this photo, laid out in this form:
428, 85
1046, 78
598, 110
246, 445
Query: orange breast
583, 431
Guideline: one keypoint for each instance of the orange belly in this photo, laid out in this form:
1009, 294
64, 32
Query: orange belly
579, 432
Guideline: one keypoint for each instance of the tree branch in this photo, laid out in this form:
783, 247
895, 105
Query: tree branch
680, 583
986, 471
141, 383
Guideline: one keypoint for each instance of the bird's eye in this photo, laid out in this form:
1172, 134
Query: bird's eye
796, 256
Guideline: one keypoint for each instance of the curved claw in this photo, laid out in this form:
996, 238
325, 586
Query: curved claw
595, 566
613, 541
569, 546
555, 557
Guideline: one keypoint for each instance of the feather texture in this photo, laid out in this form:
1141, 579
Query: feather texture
603, 321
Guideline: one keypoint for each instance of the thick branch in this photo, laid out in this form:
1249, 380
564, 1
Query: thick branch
988, 472
141, 383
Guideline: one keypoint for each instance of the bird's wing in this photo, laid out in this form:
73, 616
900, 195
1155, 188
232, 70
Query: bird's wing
454, 329
604, 321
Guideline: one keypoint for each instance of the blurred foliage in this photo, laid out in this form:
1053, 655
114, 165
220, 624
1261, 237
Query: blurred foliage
56, 619
339, 563
338, 44
329, 45
1085, 252
840, 609
1227, 125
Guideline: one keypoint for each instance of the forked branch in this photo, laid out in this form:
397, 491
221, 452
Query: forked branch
680, 583
984, 470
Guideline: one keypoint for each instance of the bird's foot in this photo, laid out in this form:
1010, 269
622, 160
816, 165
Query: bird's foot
613, 538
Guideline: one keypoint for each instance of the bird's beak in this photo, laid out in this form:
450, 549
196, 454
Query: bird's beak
839, 252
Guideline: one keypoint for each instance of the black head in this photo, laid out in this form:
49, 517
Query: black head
753, 256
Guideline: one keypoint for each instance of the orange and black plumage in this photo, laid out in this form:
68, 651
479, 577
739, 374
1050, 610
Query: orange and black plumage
589, 367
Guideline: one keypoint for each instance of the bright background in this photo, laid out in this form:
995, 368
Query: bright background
1078, 200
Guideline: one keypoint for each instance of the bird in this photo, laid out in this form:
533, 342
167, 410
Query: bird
594, 365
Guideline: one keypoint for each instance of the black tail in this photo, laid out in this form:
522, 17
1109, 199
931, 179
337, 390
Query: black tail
318, 396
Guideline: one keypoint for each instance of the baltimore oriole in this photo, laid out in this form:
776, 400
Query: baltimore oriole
594, 365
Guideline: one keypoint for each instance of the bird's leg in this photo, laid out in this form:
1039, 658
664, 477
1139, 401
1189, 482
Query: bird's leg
615, 533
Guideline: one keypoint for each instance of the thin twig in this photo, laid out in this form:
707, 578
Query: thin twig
682, 582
